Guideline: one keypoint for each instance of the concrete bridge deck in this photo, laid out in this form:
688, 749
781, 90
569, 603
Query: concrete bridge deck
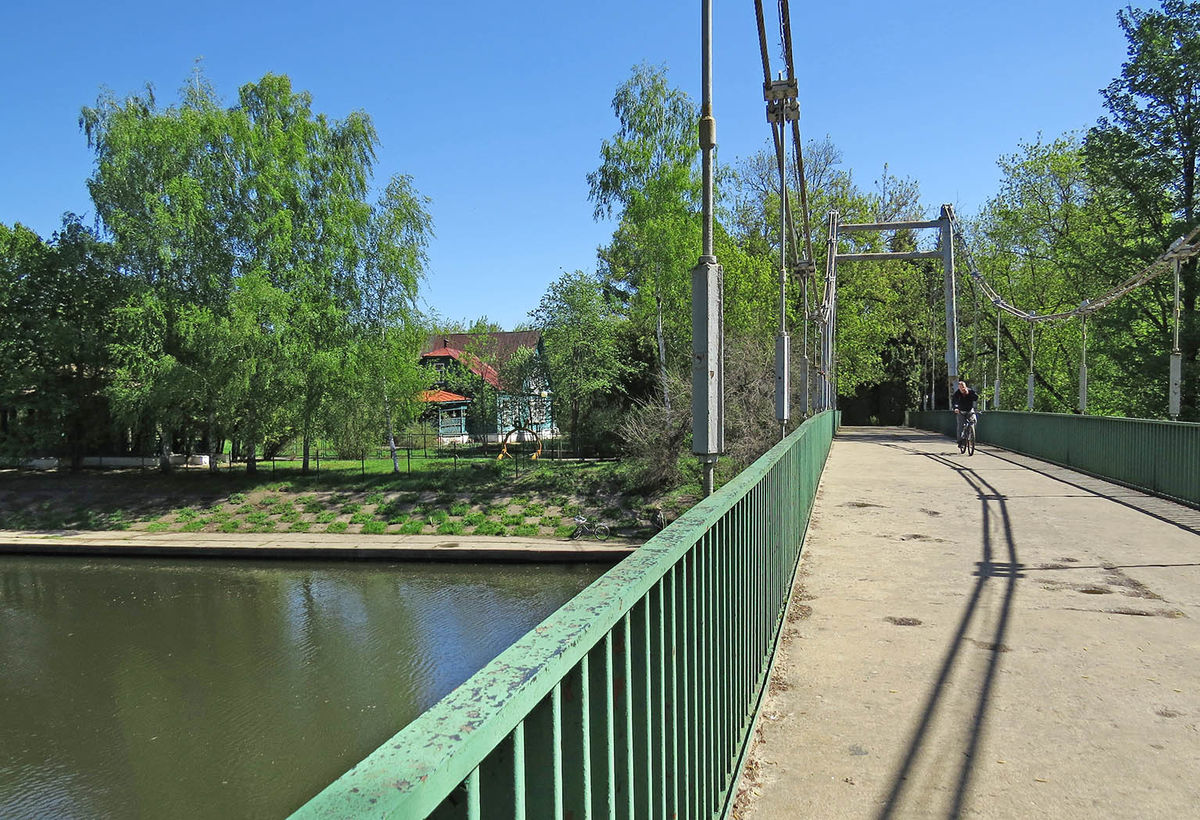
985, 636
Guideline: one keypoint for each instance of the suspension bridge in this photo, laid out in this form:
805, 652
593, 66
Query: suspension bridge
999, 635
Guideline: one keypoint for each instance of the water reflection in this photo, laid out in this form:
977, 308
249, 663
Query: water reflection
193, 689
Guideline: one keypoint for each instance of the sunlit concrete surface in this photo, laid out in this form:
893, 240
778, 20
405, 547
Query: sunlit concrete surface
985, 636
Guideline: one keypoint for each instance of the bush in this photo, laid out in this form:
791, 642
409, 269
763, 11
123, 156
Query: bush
572, 509
564, 531
374, 528
550, 521
520, 500
559, 501
290, 514
496, 509
491, 528
474, 519
460, 508
237, 498
186, 514
337, 526
438, 517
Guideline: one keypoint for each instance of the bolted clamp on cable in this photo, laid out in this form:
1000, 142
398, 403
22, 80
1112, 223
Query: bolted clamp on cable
783, 104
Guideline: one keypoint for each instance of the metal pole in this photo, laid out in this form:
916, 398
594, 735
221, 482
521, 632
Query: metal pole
804, 357
1029, 386
707, 353
1176, 357
782, 386
951, 302
996, 394
827, 324
1083, 363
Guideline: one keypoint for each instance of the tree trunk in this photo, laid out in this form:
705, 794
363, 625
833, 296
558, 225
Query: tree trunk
251, 457
307, 448
387, 412
662, 366
213, 450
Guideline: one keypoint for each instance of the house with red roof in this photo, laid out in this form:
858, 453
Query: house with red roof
470, 400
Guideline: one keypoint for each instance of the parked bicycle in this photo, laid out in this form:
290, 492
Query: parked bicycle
584, 527
966, 444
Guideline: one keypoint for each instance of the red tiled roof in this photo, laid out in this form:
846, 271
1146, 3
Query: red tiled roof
482, 369
441, 396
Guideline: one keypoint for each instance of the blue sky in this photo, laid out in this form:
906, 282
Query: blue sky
498, 110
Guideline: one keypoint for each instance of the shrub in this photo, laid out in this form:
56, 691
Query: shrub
525, 530
337, 526
572, 509
374, 528
268, 500
496, 509
559, 501
450, 528
491, 528
550, 521
438, 517
187, 514
237, 498
520, 500
460, 508
474, 519
412, 528
610, 512
564, 531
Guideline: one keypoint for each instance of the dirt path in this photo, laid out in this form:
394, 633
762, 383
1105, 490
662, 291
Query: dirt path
983, 637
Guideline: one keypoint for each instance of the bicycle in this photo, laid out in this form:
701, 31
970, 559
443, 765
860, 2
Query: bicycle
585, 527
966, 444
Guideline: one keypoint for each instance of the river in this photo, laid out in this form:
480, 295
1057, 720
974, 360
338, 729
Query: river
180, 689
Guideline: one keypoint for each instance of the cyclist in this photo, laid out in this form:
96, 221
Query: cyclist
964, 402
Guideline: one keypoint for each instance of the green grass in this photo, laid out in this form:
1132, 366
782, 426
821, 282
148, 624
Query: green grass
411, 528
337, 526
326, 517
362, 518
525, 530
269, 526
460, 508
496, 509
534, 510
438, 517
351, 509
564, 531
375, 498
550, 521
313, 507
374, 528
187, 514
571, 509
291, 514
450, 528
512, 520
520, 500
237, 498
301, 526
245, 509
559, 501
491, 528
158, 526
257, 518
232, 525
194, 526
474, 519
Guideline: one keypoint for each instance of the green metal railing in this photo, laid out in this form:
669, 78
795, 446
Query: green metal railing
635, 699
1159, 457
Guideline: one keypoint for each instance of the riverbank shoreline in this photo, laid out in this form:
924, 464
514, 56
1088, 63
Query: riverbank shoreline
313, 546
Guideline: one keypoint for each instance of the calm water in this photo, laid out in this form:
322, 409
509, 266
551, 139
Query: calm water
198, 689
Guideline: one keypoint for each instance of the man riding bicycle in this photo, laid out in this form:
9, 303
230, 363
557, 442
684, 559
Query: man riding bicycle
964, 402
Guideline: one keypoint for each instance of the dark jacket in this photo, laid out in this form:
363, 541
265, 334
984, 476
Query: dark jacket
964, 402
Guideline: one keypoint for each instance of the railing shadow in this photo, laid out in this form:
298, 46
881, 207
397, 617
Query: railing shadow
1010, 570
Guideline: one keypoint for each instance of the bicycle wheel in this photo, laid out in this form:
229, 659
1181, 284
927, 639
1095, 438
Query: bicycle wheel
971, 441
962, 445
602, 532
578, 531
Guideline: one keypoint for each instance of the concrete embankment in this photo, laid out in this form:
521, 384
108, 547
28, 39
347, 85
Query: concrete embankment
313, 546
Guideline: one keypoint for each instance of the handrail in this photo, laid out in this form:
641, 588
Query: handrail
640, 691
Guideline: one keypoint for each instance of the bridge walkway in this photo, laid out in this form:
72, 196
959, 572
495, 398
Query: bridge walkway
985, 636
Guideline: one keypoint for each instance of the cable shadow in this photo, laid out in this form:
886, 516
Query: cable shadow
1168, 511
987, 568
